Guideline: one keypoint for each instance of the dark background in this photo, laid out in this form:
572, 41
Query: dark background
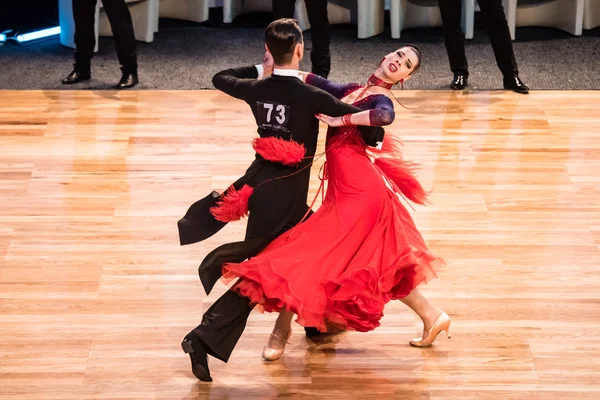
182, 55
28, 14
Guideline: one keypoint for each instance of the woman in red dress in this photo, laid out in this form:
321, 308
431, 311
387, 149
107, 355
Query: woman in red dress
360, 249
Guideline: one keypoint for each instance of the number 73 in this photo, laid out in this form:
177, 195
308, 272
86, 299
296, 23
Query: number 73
280, 110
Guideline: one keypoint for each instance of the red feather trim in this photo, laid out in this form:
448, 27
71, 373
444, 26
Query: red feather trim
402, 175
234, 205
391, 147
286, 152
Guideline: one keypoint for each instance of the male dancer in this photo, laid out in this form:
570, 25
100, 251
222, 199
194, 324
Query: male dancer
284, 107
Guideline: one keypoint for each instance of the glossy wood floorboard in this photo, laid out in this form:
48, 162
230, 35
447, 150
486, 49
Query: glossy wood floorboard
96, 294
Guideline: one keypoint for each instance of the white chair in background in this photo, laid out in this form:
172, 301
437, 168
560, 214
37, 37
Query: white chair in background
336, 14
566, 15
367, 14
67, 24
233, 8
591, 14
143, 14
187, 10
405, 14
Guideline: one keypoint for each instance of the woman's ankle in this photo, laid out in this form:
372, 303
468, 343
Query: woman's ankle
281, 329
430, 317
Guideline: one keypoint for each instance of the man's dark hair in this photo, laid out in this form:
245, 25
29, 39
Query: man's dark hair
281, 37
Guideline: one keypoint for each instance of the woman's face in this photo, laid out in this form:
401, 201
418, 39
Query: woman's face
398, 65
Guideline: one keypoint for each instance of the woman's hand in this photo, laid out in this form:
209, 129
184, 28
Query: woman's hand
331, 121
303, 75
268, 64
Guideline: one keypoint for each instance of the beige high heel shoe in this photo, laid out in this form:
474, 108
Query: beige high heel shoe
270, 354
441, 324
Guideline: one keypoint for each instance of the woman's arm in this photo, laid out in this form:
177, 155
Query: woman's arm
338, 90
381, 114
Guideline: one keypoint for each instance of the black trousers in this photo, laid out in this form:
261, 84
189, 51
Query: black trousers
224, 322
319, 23
498, 32
122, 26
274, 208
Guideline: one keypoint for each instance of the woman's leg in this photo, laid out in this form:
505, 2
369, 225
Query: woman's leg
279, 337
424, 309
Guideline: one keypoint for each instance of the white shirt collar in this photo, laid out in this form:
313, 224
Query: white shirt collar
286, 72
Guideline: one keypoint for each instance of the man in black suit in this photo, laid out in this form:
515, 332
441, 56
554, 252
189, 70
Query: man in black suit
499, 34
119, 17
284, 107
319, 29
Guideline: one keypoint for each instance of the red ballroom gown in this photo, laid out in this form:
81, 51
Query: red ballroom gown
359, 250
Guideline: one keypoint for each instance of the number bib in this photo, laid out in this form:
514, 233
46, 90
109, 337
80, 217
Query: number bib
273, 116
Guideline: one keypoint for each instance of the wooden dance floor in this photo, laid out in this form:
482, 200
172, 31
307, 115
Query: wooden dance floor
96, 293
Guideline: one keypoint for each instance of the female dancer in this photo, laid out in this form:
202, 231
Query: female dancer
360, 249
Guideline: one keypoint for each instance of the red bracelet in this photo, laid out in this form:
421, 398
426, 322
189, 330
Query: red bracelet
346, 119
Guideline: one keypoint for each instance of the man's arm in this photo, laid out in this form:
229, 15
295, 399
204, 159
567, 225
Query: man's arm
381, 114
324, 101
372, 135
237, 82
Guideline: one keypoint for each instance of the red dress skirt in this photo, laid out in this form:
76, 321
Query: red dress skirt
357, 252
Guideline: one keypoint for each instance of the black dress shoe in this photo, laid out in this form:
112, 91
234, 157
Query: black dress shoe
311, 332
128, 80
459, 82
515, 84
193, 346
77, 76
